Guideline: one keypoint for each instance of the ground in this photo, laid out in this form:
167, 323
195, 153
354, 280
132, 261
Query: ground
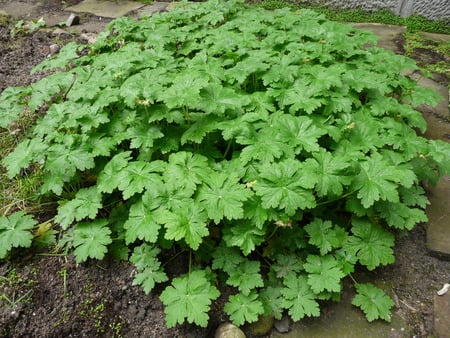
48, 295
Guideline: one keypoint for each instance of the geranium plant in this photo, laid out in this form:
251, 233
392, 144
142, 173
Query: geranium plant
277, 149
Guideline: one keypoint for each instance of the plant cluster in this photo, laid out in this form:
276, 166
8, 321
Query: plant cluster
441, 49
413, 23
278, 150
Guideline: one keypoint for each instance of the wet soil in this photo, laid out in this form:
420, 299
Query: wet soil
47, 295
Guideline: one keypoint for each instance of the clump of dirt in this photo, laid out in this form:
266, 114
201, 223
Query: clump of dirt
51, 296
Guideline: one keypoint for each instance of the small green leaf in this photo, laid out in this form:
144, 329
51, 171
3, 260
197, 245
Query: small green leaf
139, 175
23, 155
244, 308
15, 231
186, 170
379, 179
109, 178
149, 268
324, 235
400, 216
91, 240
285, 186
246, 277
373, 301
189, 223
244, 235
287, 264
86, 204
370, 243
272, 300
324, 273
143, 223
328, 171
299, 299
189, 298
222, 196
227, 258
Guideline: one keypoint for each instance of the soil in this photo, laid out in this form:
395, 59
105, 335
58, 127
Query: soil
49, 295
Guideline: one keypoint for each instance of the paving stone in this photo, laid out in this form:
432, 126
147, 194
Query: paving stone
345, 320
18, 9
442, 315
438, 212
435, 36
388, 34
156, 7
105, 8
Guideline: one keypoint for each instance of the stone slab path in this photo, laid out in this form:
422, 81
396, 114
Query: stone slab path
107, 9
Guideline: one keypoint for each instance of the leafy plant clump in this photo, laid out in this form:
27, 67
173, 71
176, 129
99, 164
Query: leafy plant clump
413, 23
278, 150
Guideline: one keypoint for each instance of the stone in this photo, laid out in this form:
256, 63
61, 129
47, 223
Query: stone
105, 8
228, 330
442, 315
405, 8
72, 20
156, 7
262, 326
342, 319
19, 9
54, 48
388, 34
282, 325
438, 212
58, 32
89, 37
171, 6
435, 36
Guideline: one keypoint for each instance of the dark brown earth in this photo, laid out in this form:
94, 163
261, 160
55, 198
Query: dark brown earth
48, 295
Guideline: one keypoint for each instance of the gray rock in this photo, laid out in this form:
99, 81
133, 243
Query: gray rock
72, 20
106, 9
438, 212
442, 315
156, 7
345, 320
89, 37
54, 48
282, 325
388, 34
262, 326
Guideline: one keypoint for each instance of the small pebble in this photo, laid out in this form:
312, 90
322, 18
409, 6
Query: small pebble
282, 325
228, 330
89, 37
54, 48
72, 20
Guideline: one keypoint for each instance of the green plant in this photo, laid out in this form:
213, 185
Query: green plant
417, 44
21, 27
12, 288
93, 311
413, 23
275, 150
116, 328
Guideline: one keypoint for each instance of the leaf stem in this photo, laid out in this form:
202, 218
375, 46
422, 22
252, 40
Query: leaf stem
190, 261
173, 257
227, 149
336, 199
353, 279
